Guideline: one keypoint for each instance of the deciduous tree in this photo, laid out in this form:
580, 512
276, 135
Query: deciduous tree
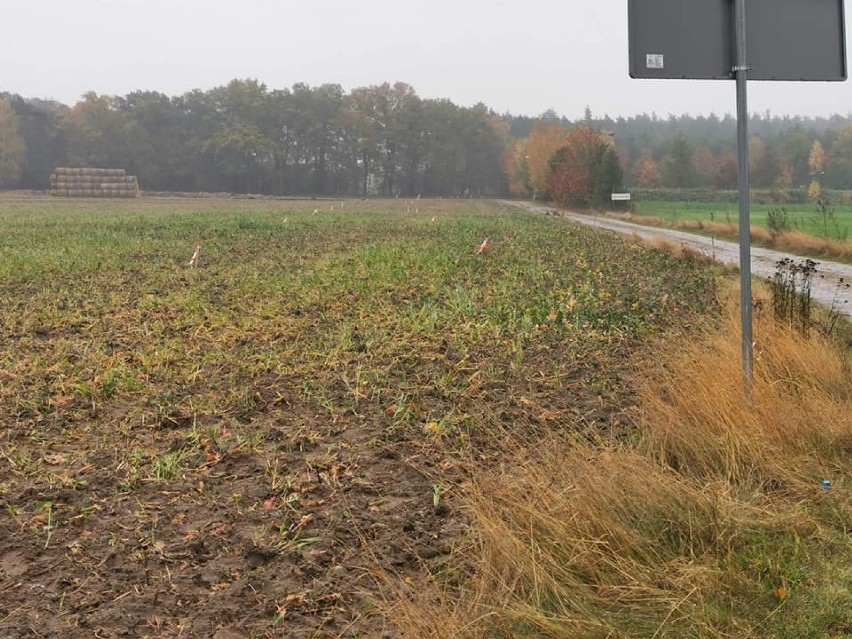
706, 165
817, 159
94, 132
38, 126
838, 166
13, 149
795, 150
762, 163
517, 168
647, 171
586, 170
543, 142
727, 175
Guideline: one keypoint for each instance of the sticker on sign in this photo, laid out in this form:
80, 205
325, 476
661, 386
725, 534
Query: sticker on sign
655, 61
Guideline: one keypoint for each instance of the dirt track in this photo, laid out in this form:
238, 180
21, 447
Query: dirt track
829, 286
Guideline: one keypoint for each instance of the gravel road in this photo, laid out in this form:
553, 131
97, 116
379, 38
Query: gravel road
830, 286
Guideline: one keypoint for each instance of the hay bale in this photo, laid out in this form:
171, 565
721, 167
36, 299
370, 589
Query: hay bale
90, 172
99, 184
93, 182
92, 179
116, 186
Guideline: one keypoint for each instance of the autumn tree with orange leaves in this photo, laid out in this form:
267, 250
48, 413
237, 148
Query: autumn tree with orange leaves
706, 165
647, 171
585, 170
542, 143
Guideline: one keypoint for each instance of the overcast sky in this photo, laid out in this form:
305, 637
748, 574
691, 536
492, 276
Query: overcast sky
522, 57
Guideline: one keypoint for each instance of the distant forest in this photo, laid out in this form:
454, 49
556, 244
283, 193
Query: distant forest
385, 140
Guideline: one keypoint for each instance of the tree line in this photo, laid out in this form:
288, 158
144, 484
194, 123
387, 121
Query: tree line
385, 140
243, 137
785, 152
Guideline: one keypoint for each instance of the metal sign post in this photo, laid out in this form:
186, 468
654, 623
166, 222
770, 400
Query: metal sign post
706, 40
741, 71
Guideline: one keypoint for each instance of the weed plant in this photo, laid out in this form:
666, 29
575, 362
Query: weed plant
825, 219
778, 220
791, 292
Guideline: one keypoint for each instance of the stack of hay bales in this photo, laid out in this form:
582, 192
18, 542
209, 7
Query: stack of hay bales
93, 183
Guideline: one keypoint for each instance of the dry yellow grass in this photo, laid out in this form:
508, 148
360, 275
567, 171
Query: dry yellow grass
797, 428
567, 547
796, 240
646, 220
792, 241
698, 527
678, 249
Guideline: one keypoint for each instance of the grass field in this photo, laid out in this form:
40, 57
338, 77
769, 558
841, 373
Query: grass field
253, 444
803, 217
798, 229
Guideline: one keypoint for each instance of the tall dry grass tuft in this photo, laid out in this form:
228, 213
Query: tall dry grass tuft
720, 228
796, 430
800, 241
679, 250
647, 220
700, 527
726, 229
569, 547
794, 241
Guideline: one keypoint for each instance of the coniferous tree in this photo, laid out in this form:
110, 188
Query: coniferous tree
677, 170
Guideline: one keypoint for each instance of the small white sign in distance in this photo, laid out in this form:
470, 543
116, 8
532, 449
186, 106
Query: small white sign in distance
621, 197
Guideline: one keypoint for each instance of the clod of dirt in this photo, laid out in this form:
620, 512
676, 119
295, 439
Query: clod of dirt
175, 420
257, 557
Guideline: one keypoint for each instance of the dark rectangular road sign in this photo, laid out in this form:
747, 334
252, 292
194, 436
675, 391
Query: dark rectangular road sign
693, 39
